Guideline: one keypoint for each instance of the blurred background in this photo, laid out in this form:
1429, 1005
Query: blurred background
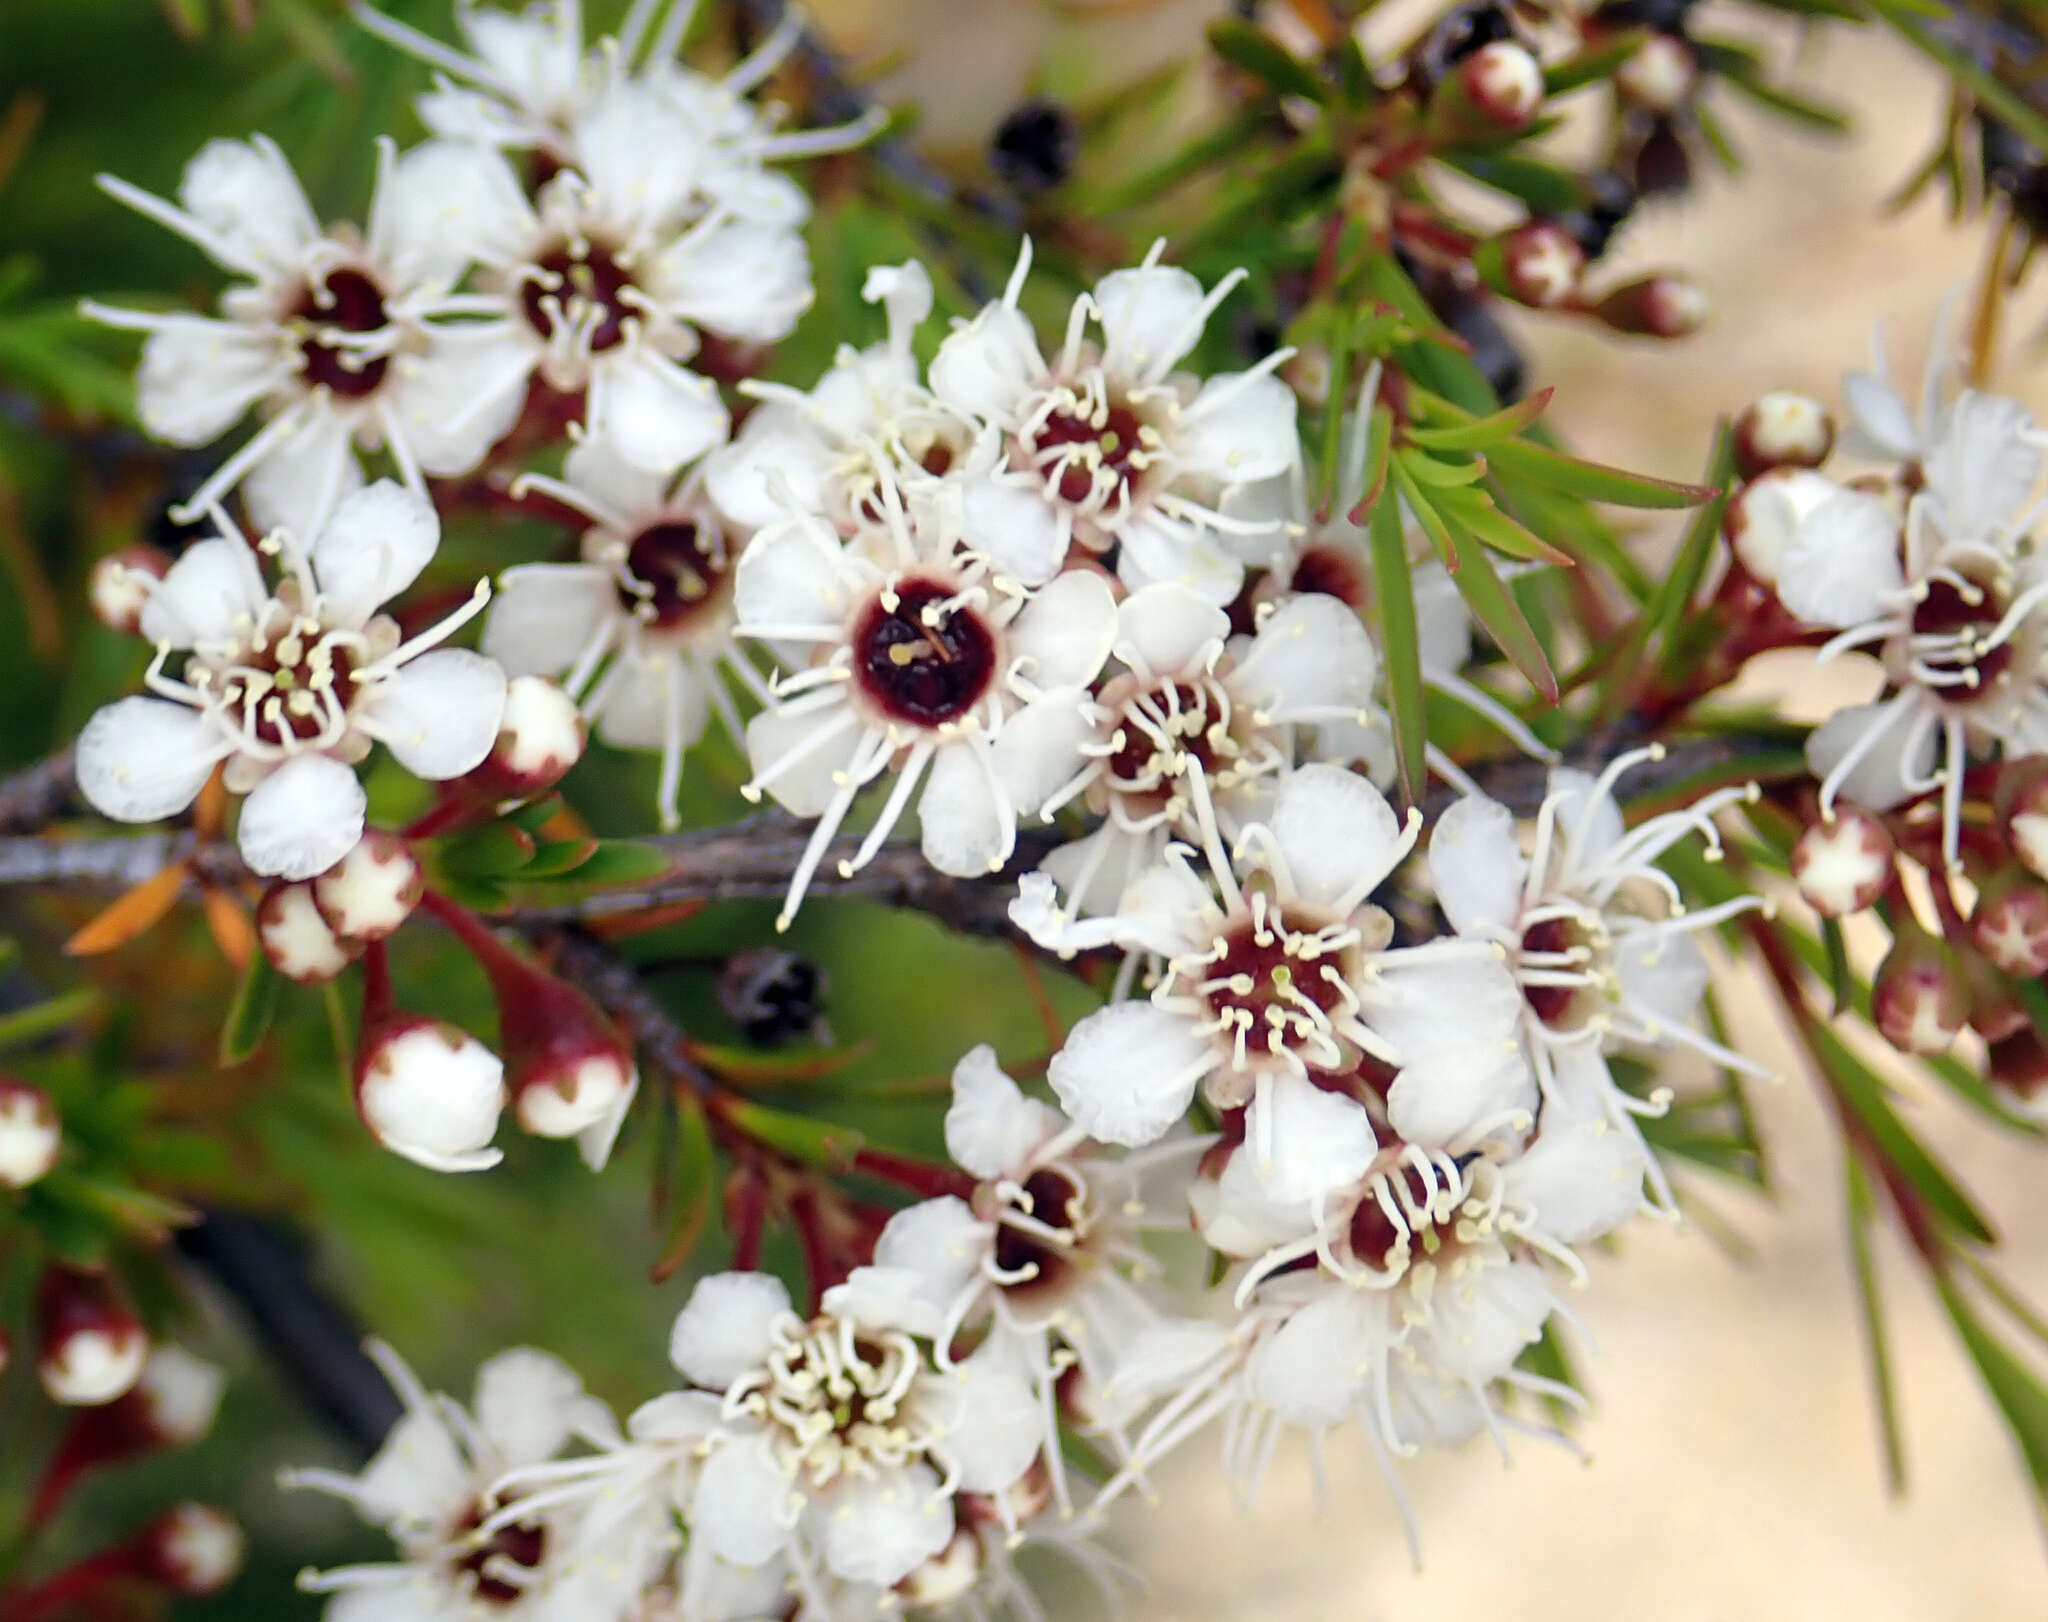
1732, 1470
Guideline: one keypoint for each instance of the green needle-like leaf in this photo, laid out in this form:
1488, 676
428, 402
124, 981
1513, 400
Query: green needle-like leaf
1394, 599
1266, 59
249, 1015
1863, 1269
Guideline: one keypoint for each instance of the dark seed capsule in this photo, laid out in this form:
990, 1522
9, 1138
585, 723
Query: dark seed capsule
1033, 149
1665, 16
1468, 29
775, 997
1610, 200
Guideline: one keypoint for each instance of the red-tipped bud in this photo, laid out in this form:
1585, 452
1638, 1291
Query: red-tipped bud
1920, 999
372, 890
1496, 91
1540, 265
2022, 803
120, 585
1844, 865
1764, 515
2010, 925
172, 1404
192, 1549
1782, 430
1655, 307
92, 1345
427, 1090
1659, 74
297, 938
31, 1136
540, 736
2018, 1067
947, 1575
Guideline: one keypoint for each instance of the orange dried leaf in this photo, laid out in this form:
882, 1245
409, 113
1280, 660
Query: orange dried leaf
210, 810
128, 917
232, 931
625, 925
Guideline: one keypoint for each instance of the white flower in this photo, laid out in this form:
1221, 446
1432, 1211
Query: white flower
1112, 446
431, 1092
869, 419
1040, 1264
1597, 937
1278, 993
642, 627
1191, 698
929, 658
330, 334
467, 1547
289, 685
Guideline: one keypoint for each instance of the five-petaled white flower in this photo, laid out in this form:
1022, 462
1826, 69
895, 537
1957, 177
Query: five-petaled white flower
289, 685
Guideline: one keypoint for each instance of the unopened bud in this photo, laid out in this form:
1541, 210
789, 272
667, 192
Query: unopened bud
372, 890
92, 1345
431, 1092
1659, 74
1782, 430
1540, 265
1766, 513
193, 1549
2010, 925
1494, 92
297, 938
31, 1136
171, 1404
540, 736
947, 1575
1920, 999
1844, 865
120, 585
2022, 804
1655, 307
2018, 1067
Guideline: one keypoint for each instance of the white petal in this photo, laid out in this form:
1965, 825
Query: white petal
1879, 418
880, 1299
1156, 549
658, 415
443, 206
1662, 977
1065, 631
1477, 1333
454, 402
1337, 833
938, 1242
1476, 866
416, 1474
595, 1142
1885, 775
1239, 430
301, 819
1168, 629
807, 788
545, 614
1841, 567
296, 485
991, 1127
968, 825
1405, 1002
439, 713
639, 153
1308, 1143
746, 1505
526, 1404
245, 193
1582, 1178
987, 367
1128, 1072
1984, 468
197, 379
595, 465
1151, 317
1590, 825
777, 465
140, 759
1314, 1366
1039, 749
727, 1327
1000, 1426
743, 279
373, 547
1443, 624
1450, 1088
880, 1529
1312, 653
644, 698
204, 594
793, 574
1014, 527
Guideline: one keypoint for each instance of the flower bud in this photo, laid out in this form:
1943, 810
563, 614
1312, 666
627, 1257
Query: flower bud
120, 585
1540, 265
297, 938
2010, 925
1844, 865
947, 1575
2018, 1067
1659, 74
1782, 430
192, 1549
172, 1404
540, 736
31, 1136
372, 890
1655, 307
1765, 513
92, 1345
2022, 804
1920, 999
1494, 92
431, 1092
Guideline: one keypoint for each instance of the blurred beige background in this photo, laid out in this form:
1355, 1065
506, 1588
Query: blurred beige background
1734, 1472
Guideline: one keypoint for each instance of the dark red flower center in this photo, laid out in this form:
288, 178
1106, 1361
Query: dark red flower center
521, 1545
1080, 455
676, 571
582, 287
1335, 571
919, 661
1272, 993
1055, 1201
1562, 1008
347, 300
279, 693
1378, 1240
1165, 728
1962, 620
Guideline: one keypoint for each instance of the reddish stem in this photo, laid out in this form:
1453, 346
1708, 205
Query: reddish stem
920, 1177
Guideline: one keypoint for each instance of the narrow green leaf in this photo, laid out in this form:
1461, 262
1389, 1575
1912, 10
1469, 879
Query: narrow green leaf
1716, 137
1333, 414
814, 1142
493, 851
249, 1014
1266, 59
1476, 511
1544, 187
1198, 155
1423, 468
1394, 603
1421, 509
1596, 62
1379, 451
1487, 431
1667, 609
1790, 104
1580, 531
558, 857
1863, 1269
1841, 978
1593, 481
1354, 73
696, 1178
26, 1025
621, 862
1495, 608
2013, 1386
